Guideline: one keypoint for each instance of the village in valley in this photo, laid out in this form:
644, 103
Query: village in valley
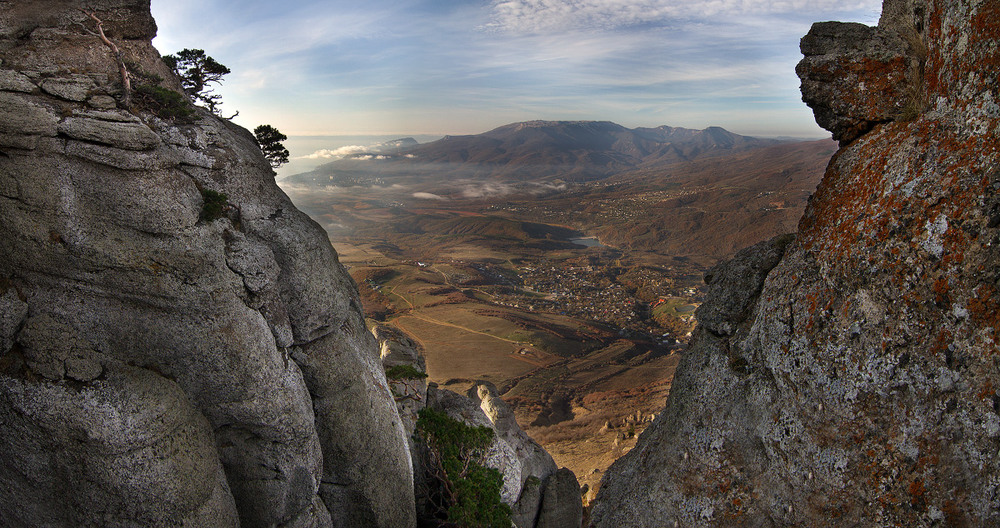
574, 339
653, 304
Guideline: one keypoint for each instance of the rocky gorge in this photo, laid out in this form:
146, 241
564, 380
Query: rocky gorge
162, 364
847, 375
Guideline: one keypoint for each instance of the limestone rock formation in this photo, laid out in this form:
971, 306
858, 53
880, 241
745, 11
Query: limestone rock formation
522, 462
856, 384
158, 366
561, 506
855, 76
539, 494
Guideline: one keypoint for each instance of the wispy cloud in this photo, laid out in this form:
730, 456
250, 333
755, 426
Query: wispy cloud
540, 16
428, 196
487, 190
336, 153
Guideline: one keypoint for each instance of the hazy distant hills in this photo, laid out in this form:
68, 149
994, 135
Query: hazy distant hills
538, 184
713, 205
579, 149
539, 151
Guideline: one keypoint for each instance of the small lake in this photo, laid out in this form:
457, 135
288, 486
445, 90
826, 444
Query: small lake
587, 241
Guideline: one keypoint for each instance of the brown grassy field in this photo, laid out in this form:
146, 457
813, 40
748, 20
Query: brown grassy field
581, 391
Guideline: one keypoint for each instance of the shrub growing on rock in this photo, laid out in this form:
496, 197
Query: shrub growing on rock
215, 204
166, 104
467, 492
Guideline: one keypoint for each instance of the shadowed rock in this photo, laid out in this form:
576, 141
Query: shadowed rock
157, 367
856, 384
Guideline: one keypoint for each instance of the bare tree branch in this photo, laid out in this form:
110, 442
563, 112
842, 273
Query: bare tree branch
126, 84
408, 387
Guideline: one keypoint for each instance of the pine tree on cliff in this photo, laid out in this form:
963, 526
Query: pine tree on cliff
197, 71
269, 139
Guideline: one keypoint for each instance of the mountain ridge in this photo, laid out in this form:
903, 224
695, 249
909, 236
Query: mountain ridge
547, 150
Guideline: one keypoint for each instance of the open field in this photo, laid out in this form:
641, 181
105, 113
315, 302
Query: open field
578, 386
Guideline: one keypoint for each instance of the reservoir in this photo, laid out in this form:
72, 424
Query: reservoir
587, 241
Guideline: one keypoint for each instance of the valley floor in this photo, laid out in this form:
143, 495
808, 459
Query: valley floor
584, 362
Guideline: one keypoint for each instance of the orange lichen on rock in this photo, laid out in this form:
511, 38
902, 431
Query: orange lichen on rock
866, 393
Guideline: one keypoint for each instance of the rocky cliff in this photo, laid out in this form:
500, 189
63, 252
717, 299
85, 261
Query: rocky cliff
539, 494
160, 366
848, 376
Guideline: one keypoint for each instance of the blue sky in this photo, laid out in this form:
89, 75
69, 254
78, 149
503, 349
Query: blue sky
410, 67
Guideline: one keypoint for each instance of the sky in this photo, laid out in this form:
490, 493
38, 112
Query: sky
435, 67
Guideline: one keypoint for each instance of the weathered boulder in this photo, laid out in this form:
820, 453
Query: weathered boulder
856, 386
71, 87
128, 449
733, 285
561, 505
20, 116
397, 349
532, 459
855, 76
524, 512
117, 129
157, 367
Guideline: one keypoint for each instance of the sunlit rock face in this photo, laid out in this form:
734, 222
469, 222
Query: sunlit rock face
855, 385
158, 367
539, 494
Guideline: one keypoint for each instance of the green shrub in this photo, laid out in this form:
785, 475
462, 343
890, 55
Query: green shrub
215, 204
166, 104
478, 499
468, 492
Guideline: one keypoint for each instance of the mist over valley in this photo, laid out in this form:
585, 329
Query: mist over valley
562, 261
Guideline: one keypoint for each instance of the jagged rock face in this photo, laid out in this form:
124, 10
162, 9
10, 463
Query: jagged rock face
157, 367
858, 385
538, 493
855, 76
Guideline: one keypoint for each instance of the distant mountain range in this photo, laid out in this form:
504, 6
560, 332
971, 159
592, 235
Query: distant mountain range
668, 190
538, 151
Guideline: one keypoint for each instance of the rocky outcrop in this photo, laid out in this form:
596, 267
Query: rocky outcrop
561, 506
855, 76
158, 367
529, 473
538, 493
855, 385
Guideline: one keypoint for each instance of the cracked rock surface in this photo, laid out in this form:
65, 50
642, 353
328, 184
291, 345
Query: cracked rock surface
856, 384
156, 367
